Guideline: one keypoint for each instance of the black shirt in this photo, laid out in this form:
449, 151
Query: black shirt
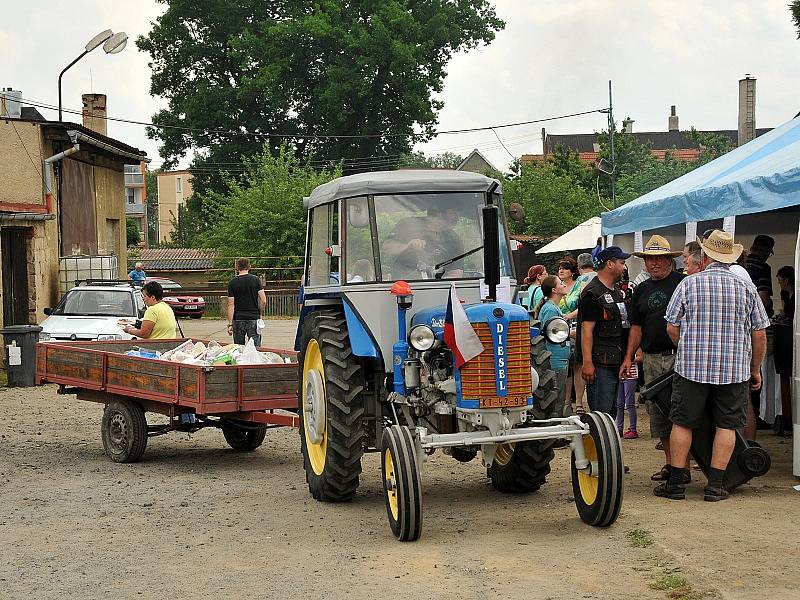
244, 291
590, 309
649, 305
761, 274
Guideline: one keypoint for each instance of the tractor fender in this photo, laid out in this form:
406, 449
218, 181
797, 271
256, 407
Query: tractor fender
361, 341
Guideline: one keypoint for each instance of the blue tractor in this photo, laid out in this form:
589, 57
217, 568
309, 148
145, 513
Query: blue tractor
384, 253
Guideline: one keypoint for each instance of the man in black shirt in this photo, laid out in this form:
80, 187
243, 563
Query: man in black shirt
758, 269
649, 331
602, 331
246, 302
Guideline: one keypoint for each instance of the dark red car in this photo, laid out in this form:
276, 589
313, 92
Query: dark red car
183, 305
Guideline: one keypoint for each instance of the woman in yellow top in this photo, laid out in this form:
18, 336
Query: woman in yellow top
158, 322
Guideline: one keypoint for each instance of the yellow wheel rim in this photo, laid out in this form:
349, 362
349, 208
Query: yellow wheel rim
316, 450
503, 454
589, 483
390, 485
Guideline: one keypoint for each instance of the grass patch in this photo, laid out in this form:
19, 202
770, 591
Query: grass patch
640, 538
671, 581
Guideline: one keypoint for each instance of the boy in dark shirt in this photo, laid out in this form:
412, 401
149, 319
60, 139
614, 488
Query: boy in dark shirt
246, 302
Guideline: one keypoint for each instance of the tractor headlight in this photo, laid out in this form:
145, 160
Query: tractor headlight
556, 330
421, 338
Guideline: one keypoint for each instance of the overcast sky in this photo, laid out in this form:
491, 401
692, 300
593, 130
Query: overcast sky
554, 57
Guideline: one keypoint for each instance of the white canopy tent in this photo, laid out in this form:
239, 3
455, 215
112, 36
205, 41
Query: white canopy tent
583, 236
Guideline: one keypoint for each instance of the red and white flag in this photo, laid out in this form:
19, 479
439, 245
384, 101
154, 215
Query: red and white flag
458, 331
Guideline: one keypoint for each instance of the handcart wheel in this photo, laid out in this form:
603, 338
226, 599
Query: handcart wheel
402, 484
124, 431
754, 460
598, 490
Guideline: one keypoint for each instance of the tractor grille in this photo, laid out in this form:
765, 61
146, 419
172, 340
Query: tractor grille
478, 375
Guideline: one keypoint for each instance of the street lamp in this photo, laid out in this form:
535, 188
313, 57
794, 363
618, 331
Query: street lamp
112, 43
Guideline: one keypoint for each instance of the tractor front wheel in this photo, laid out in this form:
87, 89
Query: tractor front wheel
332, 408
598, 489
402, 484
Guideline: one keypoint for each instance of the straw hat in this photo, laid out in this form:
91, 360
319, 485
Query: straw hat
657, 246
720, 246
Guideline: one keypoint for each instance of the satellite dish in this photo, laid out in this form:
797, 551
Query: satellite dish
116, 43
98, 39
516, 212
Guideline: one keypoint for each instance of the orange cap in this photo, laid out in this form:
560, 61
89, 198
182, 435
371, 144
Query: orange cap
401, 288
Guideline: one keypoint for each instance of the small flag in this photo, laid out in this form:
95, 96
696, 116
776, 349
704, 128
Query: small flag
458, 331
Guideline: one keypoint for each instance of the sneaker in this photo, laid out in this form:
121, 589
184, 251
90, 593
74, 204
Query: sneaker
715, 494
631, 434
673, 492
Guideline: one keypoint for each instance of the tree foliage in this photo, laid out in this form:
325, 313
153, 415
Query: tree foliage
132, 234
418, 160
263, 215
794, 7
361, 68
151, 185
554, 202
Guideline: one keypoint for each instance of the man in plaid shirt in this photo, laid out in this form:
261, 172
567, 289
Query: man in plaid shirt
718, 322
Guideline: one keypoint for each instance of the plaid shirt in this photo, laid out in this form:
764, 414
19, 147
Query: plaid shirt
717, 313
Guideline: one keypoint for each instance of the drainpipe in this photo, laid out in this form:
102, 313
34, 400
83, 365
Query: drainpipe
48, 177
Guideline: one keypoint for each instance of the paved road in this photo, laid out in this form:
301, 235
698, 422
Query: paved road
279, 333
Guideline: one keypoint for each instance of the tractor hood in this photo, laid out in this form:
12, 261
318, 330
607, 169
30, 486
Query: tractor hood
476, 313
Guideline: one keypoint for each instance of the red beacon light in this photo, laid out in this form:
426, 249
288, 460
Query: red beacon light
401, 288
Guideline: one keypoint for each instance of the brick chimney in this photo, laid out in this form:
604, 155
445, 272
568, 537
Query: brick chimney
747, 109
672, 122
94, 112
627, 125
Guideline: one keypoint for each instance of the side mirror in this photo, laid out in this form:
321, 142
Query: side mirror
48, 311
516, 212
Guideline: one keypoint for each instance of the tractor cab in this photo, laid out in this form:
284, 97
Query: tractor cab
405, 348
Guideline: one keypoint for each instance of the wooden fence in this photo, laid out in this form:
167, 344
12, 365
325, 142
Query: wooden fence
280, 302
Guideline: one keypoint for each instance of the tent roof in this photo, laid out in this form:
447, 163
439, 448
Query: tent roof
582, 236
762, 175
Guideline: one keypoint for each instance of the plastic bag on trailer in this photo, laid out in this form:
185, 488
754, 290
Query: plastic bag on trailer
251, 356
184, 347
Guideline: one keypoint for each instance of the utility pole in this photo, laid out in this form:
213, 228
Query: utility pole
611, 137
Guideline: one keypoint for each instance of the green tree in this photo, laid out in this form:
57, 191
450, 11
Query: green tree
712, 145
151, 185
263, 214
359, 68
566, 162
794, 7
553, 202
418, 160
187, 226
650, 176
132, 232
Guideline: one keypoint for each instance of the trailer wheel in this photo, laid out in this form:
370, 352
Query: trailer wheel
402, 484
524, 466
124, 431
244, 440
331, 390
598, 491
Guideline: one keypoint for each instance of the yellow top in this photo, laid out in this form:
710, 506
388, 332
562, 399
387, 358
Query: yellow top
164, 324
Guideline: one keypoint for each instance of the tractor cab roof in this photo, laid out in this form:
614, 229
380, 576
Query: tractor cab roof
399, 182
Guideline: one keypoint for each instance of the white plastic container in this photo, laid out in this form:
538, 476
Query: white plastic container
72, 269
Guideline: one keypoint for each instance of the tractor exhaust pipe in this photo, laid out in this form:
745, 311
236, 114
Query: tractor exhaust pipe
491, 244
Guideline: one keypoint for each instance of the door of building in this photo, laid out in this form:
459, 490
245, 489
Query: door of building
14, 251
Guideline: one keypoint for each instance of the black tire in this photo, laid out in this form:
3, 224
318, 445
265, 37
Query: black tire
124, 431
337, 478
402, 484
598, 497
463, 455
754, 460
523, 467
244, 439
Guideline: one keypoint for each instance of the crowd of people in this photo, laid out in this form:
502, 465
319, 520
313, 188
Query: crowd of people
701, 313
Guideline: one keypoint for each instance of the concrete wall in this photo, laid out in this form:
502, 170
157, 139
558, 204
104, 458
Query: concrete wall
20, 174
169, 199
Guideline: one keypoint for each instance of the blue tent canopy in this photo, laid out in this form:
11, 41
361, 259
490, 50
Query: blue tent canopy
762, 175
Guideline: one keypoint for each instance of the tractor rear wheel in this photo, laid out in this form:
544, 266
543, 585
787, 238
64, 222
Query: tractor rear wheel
598, 490
523, 467
331, 397
402, 483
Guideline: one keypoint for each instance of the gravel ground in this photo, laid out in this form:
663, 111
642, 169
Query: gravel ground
196, 520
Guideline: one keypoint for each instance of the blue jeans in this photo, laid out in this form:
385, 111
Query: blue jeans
602, 393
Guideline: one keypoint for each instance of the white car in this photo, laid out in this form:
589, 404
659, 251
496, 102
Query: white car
92, 311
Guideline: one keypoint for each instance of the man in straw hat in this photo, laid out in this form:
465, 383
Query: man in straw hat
649, 332
718, 322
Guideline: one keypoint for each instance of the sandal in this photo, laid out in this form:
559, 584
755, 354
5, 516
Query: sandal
662, 475
579, 410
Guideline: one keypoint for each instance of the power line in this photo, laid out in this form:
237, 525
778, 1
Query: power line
40, 104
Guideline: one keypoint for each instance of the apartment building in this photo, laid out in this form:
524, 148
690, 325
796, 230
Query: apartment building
174, 189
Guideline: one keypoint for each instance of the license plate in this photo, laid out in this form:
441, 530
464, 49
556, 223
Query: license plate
190, 307
497, 402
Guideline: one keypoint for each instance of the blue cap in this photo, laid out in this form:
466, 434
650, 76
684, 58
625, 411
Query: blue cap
610, 253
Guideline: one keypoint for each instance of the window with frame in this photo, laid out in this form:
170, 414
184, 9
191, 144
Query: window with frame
358, 251
323, 268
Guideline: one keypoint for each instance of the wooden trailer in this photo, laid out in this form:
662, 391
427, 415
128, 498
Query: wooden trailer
242, 400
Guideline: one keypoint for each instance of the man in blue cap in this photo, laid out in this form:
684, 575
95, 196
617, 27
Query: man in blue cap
603, 331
